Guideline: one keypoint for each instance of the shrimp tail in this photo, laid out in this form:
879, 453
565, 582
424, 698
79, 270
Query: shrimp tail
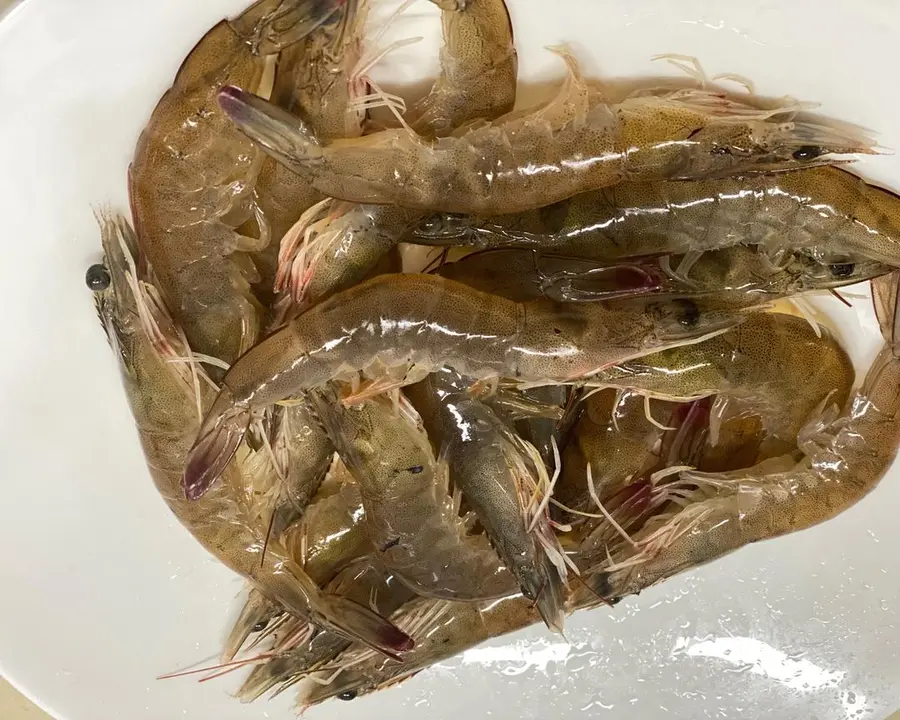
283, 136
368, 627
549, 596
217, 442
601, 283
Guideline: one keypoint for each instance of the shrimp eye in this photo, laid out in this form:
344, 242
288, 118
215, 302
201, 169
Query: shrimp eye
416, 469
689, 313
807, 152
97, 278
259, 627
347, 695
430, 225
842, 270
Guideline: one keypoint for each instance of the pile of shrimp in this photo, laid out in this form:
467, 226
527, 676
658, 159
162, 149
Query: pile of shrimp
596, 394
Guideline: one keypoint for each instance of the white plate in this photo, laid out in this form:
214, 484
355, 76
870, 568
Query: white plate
100, 588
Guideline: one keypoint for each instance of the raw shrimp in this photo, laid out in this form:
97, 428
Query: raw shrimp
737, 276
167, 396
764, 360
410, 517
574, 143
360, 582
327, 538
190, 183
844, 458
317, 78
828, 211
498, 480
431, 322
477, 81
446, 628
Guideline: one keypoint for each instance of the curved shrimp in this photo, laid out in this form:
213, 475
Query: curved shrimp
191, 180
167, 397
844, 457
828, 211
326, 539
360, 582
477, 81
428, 322
764, 360
577, 142
410, 517
497, 479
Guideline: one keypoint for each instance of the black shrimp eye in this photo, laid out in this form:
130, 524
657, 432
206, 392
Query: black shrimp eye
842, 270
431, 226
807, 152
347, 695
97, 278
259, 627
689, 313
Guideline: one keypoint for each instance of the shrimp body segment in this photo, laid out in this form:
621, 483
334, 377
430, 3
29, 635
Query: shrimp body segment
575, 143
428, 322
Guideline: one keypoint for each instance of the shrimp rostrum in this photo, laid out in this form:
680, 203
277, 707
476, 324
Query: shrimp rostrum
575, 143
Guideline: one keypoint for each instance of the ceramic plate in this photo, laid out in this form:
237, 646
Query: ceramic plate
102, 590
